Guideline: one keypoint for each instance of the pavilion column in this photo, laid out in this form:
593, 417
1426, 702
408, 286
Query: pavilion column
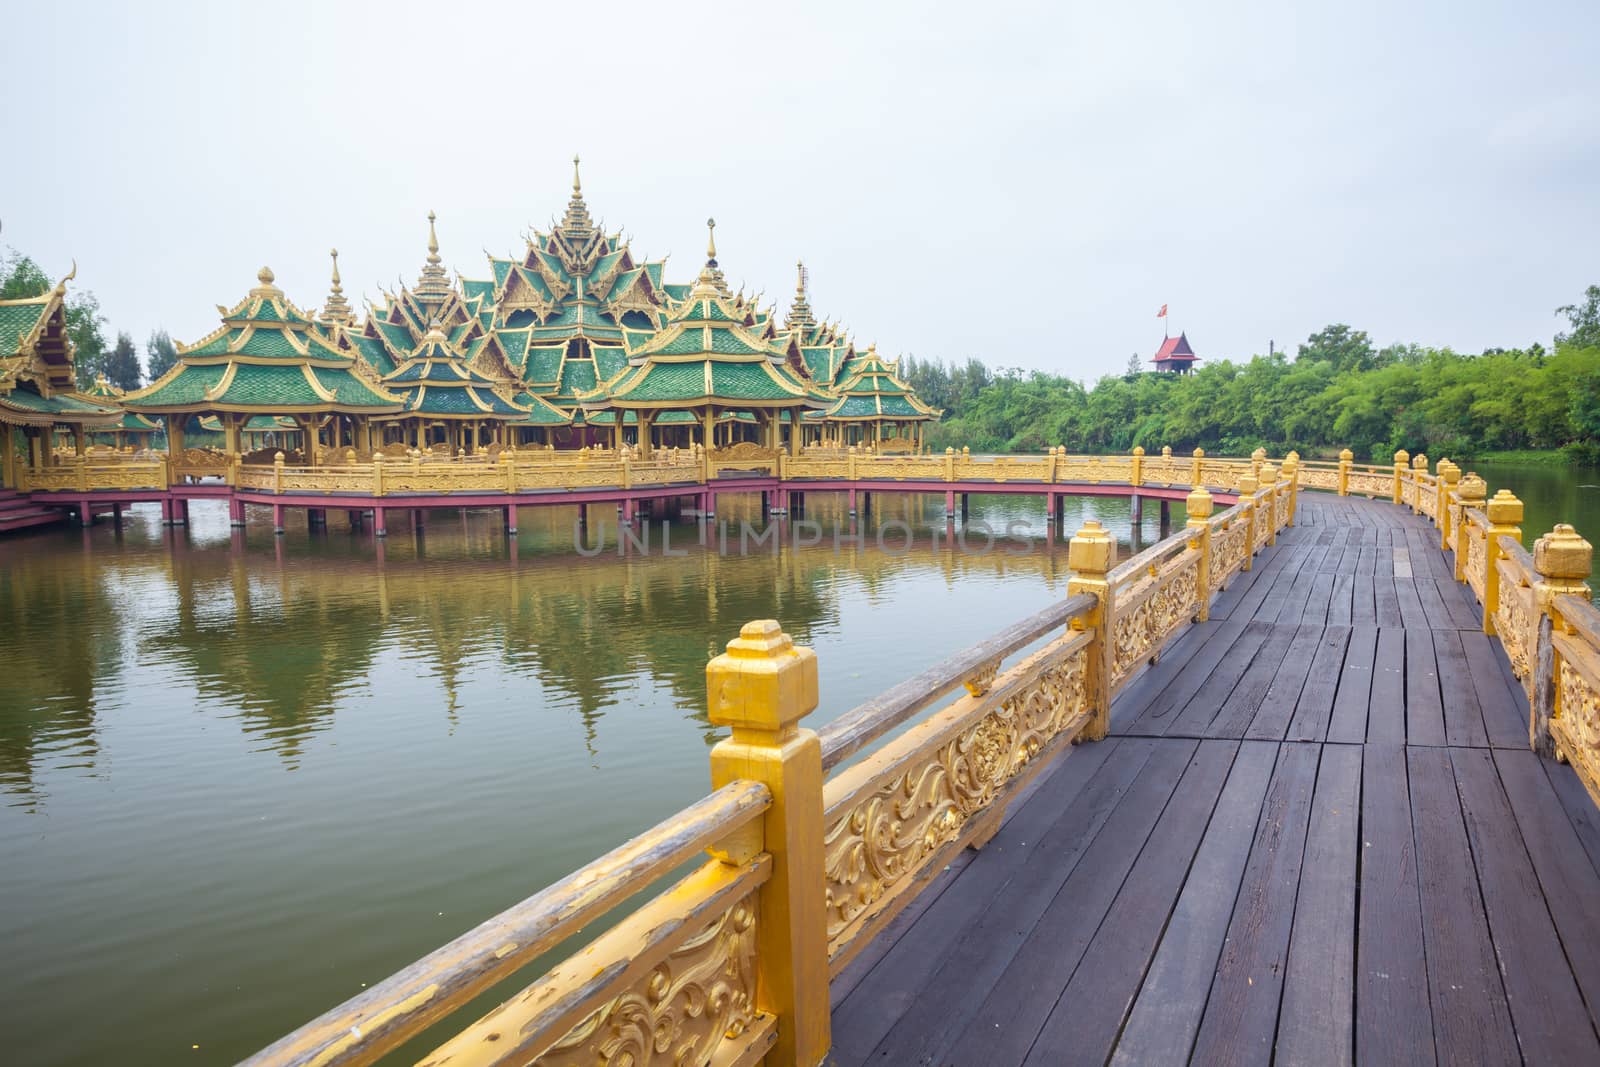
794, 431
616, 431
308, 431
175, 437
230, 434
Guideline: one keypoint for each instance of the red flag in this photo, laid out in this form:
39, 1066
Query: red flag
1162, 313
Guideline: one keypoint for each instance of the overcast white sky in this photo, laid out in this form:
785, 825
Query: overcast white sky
1027, 184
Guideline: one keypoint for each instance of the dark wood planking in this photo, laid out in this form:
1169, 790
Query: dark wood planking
1212, 696
1386, 603
1170, 700
1363, 600
965, 935
1579, 806
1394, 1022
1340, 601
1568, 880
1316, 1018
1318, 600
1505, 712
1544, 998
1314, 708
1424, 705
1266, 667
1277, 707
1024, 823
1003, 1025
1386, 716
1463, 609
1241, 1014
1463, 717
1166, 1013
1087, 1017
1348, 718
1471, 1022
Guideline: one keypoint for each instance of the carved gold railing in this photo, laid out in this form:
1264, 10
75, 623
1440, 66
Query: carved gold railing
1231, 538
1516, 615
1566, 708
1152, 596
87, 477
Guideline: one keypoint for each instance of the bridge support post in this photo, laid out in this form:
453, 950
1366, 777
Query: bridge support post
1561, 562
511, 519
1470, 492
1050, 505
627, 511
1089, 557
964, 506
180, 512
852, 499
1505, 520
1136, 510
235, 511
277, 518
1199, 507
949, 503
85, 513
380, 521
762, 687
116, 514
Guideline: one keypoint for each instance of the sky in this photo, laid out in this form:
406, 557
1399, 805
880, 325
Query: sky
1026, 184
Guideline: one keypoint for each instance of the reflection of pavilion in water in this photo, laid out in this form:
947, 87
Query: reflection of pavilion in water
283, 642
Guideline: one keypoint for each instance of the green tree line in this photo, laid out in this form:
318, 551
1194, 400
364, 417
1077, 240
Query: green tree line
1339, 390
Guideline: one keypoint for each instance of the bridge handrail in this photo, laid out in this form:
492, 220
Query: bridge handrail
385, 1016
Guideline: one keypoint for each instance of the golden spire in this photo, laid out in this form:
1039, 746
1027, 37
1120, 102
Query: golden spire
337, 309
800, 316
433, 284
576, 226
711, 242
711, 279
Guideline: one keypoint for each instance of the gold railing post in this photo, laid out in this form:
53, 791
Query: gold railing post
1505, 520
1194, 466
1345, 458
949, 464
850, 463
1291, 474
277, 473
1561, 562
1136, 470
1247, 497
1257, 458
1055, 463
1269, 482
1449, 476
1089, 558
1419, 468
1402, 464
509, 465
377, 474
761, 687
1469, 494
83, 476
1198, 509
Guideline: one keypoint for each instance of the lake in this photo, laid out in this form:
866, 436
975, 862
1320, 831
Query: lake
241, 775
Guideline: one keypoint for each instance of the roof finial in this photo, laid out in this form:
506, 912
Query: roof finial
577, 186
433, 240
337, 309
711, 242
432, 284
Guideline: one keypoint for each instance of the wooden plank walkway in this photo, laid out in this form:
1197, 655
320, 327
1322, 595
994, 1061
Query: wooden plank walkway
1315, 836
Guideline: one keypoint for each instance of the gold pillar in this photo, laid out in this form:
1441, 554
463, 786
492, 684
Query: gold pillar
1089, 557
8, 457
794, 431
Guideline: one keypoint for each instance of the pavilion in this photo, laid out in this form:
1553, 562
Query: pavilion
1175, 356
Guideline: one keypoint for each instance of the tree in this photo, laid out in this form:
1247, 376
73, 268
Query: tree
1135, 365
160, 354
1585, 320
122, 363
21, 277
1341, 346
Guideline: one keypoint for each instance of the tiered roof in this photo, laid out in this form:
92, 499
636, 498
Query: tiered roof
438, 380
103, 392
266, 357
711, 351
37, 386
872, 391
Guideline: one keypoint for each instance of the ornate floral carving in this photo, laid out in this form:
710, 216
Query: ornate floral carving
1516, 625
979, 681
880, 841
701, 995
1576, 726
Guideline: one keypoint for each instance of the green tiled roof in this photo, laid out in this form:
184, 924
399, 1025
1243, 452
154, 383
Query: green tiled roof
577, 376
18, 321
255, 385
541, 413
187, 386
543, 363
24, 398
608, 362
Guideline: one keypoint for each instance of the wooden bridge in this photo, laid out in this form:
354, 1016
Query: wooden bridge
1277, 788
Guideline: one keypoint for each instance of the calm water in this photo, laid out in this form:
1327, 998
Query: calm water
1549, 495
241, 776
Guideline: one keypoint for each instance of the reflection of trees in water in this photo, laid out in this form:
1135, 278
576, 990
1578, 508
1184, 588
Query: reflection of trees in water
58, 642
281, 633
